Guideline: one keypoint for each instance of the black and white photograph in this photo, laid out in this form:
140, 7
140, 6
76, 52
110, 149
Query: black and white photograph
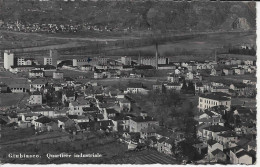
128, 82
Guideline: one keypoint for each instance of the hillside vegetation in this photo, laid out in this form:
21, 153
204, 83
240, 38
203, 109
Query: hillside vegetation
162, 15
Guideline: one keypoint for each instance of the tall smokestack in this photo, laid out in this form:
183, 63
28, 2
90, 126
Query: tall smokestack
156, 56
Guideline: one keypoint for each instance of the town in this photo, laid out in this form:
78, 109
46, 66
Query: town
176, 112
127, 82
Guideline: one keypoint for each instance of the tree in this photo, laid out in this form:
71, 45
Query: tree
184, 85
173, 113
191, 87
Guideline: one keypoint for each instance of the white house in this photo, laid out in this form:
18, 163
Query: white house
35, 98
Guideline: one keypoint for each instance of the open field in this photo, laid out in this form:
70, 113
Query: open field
9, 134
249, 102
10, 78
13, 99
231, 78
144, 157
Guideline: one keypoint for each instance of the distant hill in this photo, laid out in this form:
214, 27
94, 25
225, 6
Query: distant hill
162, 15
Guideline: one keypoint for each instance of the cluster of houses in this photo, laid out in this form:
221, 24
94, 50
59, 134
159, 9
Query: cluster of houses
58, 103
234, 67
236, 143
90, 107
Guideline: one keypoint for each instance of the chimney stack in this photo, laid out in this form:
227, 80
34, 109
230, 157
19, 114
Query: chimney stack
156, 57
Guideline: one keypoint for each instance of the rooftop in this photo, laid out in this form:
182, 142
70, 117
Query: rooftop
215, 97
143, 119
242, 153
216, 128
44, 120
217, 151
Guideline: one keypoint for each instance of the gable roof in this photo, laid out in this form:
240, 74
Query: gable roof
143, 119
211, 142
242, 153
215, 97
217, 151
161, 140
216, 128
111, 111
63, 119
44, 120
69, 93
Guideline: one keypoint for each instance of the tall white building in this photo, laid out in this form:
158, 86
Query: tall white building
47, 61
126, 60
8, 59
211, 100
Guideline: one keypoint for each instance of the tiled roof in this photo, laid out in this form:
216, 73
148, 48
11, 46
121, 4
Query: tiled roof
242, 153
143, 119
217, 151
111, 111
161, 140
228, 134
215, 97
216, 128
70, 93
212, 142
44, 120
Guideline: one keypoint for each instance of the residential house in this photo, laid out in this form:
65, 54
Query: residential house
211, 132
239, 71
226, 138
76, 107
216, 72
124, 104
158, 87
228, 71
240, 156
136, 88
3, 88
109, 113
212, 121
249, 62
213, 145
30, 117
173, 86
223, 89
165, 145
18, 88
210, 100
36, 74
141, 122
37, 85
218, 156
41, 123
242, 89
121, 123
173, 78
35, 98
48, 112
68, 96
202, 148
65, 122
199, 87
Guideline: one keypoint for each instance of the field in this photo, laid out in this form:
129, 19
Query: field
144, 157
232, 78
9, 134
13, 99
249, 102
